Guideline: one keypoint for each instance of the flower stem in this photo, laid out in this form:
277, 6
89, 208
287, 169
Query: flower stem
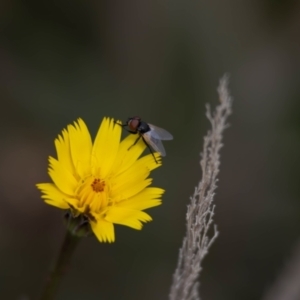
60, 267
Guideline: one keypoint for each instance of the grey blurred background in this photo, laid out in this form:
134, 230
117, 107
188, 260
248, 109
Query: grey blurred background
162, 60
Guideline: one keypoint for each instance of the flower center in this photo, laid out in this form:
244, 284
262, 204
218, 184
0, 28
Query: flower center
93, 195
98, 185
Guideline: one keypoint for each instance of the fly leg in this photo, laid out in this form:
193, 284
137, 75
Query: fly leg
123, 125
150, 150
130, 131
135, 140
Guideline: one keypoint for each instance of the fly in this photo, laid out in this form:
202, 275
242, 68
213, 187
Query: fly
151, 135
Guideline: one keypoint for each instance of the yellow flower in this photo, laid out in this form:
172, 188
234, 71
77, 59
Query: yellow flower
104, 181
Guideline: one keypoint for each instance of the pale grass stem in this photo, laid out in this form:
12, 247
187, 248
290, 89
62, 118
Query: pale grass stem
200, 211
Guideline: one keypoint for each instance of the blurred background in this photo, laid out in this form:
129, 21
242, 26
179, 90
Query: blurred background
162, 60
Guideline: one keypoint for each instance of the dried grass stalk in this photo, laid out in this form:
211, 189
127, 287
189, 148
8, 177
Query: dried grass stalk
200, 211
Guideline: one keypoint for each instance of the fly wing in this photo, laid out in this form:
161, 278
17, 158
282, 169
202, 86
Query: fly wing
160, 133
154, 142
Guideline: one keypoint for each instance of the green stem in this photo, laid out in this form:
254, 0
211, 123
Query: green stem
51, 286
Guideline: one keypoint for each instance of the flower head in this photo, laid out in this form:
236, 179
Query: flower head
105, 182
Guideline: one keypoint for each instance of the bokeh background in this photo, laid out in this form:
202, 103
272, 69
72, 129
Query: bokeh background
162, 60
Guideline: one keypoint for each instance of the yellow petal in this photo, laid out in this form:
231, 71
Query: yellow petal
139, 171
106, 146
53, 195
149, 162
57, 204
128, 217
130, 190
128, 153
103, 230
149, 197
81, 147
129, 178
62, 145
62, 178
